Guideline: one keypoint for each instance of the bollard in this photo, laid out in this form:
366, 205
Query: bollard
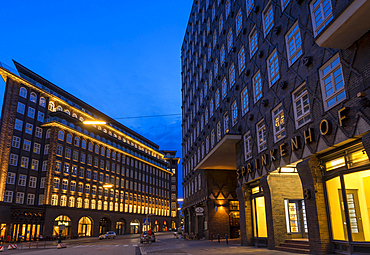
227, 240
211, 237
37, 244
218, 237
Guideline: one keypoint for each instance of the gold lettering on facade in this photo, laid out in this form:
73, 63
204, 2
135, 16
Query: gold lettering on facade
264, 159
256, 164
272, 155
243, 170
308, 136
325, 127
294, 143
249, 167
282, 150
342, 115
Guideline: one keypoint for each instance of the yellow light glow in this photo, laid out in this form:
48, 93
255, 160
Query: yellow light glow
94, 122
336, 163
180, 199
108, 186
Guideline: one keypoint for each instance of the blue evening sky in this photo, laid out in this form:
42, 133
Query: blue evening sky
121, 57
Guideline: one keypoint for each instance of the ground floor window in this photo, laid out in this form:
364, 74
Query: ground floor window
85, 227
120, 227
134, 227
259, 217
26, 232
62, 224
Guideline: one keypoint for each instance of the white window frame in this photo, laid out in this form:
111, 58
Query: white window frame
234, 112
249, 5
324, 20
257, 91
230, 40
247, 146
290, 37
324, 76
267, 11
299, 99
239, 22
278, 116
241, 59
226, 123
244, 99
253, 41
284, 4
232, 75
261, 126
273, 68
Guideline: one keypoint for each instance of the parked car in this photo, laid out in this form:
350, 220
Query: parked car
108, 235
147, 238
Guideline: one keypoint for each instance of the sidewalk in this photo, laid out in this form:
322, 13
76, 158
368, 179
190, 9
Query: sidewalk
203, 247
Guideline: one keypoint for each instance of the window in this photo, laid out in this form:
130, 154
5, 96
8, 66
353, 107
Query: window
13, 161
42, 182
247, 146
20, 198
69, 138
38, 132
18, 125
58, 166
61, 135
73, 186
332, 83
22, 179
32, 182
48, 134
267, 18
16, 142
245, 100
11, 178
75, 155
35, 165
24, 162
90, 146
66, 169
253, 41
284, 4
213, 11
211, 108
224, 88
218, 131
261, 136
222, 55
83, 144
278, 121
301, 106
74, 170
257, 86
230, 40
68, 153
241, 60
214, 39
221, 24
36, 148
42, 102
250, 5
59, 150
54, 200
31, 112
23, 92
226, 123
96, 149
321, 14
273, 68
212, 138
232, 75
234, 110
217, 99
26, 145
216, 68
20, 108
33, 97
293, 44
81, 173
40, 116
80, 187
83, 157
29, 128
8, 196
44, 165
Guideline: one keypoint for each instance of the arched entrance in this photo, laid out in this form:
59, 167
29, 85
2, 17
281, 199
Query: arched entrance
104, 225
156, 226
164, 227
62, 224
134, 227
85, 227
121, 227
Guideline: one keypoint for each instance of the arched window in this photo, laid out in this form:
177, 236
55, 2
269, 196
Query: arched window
103, 139
79, 202
102, 151
61, 135
99, 205
108, 153
68, 112
74, 115
48, 134
33, 97
59, 108
92, 135
42, 102
86, 203
51, 107
113, 154
83, 144
82, 119
90, 146
63, 201
110, 206
71, 202
69, 138
77, 141
96, 149
23, 92
105, 206
98, 137
86, 132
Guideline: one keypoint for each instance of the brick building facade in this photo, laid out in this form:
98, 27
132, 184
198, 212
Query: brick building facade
58, 171
276, 92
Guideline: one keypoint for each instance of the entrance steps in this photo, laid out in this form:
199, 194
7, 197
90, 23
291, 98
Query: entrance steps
295, 246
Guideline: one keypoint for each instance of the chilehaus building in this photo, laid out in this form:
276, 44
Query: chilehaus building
60, 174
276, 123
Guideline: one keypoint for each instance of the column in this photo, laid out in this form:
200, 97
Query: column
245, 211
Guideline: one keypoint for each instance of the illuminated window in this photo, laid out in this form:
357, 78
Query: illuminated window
278, 121
261, 136
33, 97
245, 100
21, 108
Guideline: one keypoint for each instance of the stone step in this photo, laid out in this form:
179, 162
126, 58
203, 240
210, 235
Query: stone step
296, 245
297, 241
293, 250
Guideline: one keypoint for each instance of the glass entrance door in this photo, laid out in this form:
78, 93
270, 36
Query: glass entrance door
295, 215
259, 217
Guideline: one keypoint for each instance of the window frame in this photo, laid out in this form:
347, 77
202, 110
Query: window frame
300, 98
282, 130
298, 52
276, 77
263, 145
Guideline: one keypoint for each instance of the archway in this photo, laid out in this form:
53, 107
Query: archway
104, 225
62, 224
134, 226
156, 226
164, 227
85, 227
121, 227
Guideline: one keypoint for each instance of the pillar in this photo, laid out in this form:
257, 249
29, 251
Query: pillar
245, 212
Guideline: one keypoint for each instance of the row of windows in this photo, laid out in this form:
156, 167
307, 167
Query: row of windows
30, 112
33, 97
193, 186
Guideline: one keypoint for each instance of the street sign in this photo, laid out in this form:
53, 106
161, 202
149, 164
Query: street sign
199, 209
146, 221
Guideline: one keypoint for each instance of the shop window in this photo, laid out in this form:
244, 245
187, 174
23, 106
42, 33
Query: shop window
234, 205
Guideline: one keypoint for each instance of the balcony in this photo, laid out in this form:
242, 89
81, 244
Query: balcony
351, 24
222, 156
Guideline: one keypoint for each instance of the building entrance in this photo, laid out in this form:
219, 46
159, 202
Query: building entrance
296, 221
